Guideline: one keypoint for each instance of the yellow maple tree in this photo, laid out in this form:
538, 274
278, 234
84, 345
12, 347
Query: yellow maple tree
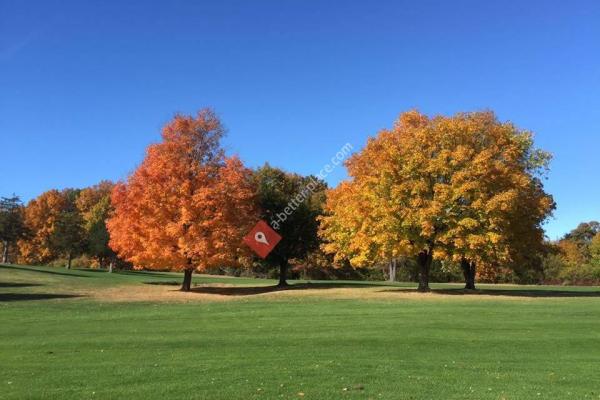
448, 188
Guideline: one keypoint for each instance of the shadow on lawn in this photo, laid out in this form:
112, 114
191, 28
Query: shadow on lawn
147, 273
254, 290
44, 271
34, 296
102, 270
504, 292
15, 284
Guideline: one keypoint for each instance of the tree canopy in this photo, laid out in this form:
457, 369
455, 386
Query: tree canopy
450, 188
95, 208
292, 204
187, 206
41, 217
12, 224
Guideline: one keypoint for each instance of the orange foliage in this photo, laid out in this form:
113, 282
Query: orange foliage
186, 206
41, 216
572, 253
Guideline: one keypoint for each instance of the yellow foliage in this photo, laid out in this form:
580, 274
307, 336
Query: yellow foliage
464, 187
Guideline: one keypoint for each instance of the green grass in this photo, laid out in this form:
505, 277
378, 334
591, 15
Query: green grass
543, 344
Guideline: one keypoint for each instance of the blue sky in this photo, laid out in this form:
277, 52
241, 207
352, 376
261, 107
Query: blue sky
84, 88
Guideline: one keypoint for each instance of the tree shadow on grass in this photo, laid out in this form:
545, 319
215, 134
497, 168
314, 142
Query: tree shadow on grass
34, 296
537, 293
96, 270
237, 290
163, 283
18, 285
42, 271
147, 273
255, 290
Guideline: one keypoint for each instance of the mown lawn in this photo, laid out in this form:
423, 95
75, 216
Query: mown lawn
529, 343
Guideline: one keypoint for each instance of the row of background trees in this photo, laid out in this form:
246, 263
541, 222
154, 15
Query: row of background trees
58, 226
443, 198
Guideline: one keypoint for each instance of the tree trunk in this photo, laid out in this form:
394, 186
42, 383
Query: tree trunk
469, 273
187, 280
424, 259
393, 267
5, 252
283, 267
69, 261
112, 263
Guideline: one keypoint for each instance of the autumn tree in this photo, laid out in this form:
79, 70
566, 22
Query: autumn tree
576, 244
291, 203
41, 216
575, 258
584, 233
522, 242
496, 194
68, 238
187, 206
573, 254
595, 249
95, 207
12, 224
448, 188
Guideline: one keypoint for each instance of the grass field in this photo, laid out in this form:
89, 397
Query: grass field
85, 334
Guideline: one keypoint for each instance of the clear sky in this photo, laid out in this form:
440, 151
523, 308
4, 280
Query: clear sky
84, 88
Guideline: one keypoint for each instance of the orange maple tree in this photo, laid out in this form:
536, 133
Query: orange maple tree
187, 206
41, 218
